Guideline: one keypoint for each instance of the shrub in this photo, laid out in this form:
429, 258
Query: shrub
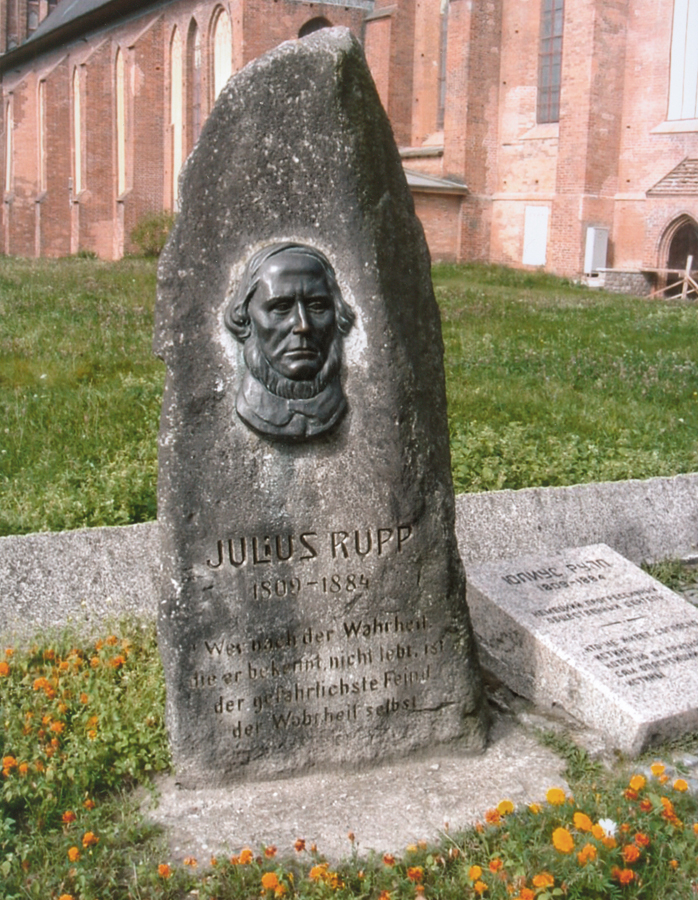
151, 233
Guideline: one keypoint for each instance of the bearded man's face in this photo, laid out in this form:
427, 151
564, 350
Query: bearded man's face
292, 316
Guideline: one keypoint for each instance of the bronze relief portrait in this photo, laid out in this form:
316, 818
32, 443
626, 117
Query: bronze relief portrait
290, 316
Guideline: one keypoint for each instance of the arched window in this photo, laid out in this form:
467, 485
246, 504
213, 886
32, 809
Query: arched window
176, 114
193, 84
222, 44
41, 110
120, 123
77, 133
314, 25
9, 146
550, 60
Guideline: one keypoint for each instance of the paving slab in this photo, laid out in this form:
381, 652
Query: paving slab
386, 807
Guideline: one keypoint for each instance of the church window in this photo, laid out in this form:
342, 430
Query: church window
222, 52
194, 111
176, 112
9, 146
314, 25
550, 61
683, 73
77, 133
120, 123
443, 43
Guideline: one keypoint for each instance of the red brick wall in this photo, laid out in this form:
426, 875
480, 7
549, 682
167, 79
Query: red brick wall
439, 215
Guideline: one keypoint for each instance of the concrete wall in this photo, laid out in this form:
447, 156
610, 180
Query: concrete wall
88, 577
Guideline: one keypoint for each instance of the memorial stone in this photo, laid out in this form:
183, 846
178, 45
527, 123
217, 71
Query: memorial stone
587, 630
313, 608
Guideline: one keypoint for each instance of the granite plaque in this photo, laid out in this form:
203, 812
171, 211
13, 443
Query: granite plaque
313, 610
589, 631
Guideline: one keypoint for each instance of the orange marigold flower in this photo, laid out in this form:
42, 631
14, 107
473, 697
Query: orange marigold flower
637, 782
419, 890
630, 794
91, 734
492, 817
609, 842
164, 871
299, 845
270, 852
384, 895
66, 897
582, 822
630, 853
246, 856
543, 880
624, 876
117, 662
9, 762
68, 816
535, 808
4, 669
526, 894
89, 839
496, 865
270, 882
598, 832
9, 651
695, 827
555, 796
474, 872
94, 663
645, 805
480, 887
504, 807
674, 863
63, 666
642, 840
351, 837
49, 654
586, 854
84, 698
663, 779
23, 768
190, 861
680, 785
319, 872
112, 640
57, 727
562, 840
89, 804
657, 769
388, 859
73, 854
415, 873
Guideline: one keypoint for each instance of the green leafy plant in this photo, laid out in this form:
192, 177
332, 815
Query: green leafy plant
151, 233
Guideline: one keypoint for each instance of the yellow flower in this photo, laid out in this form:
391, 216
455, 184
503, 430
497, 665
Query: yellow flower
535, 808
269, 881
680, 785
598, 832
164, 871
657, 769
480, 887
562, 840
504, 807
89, 839
73, 854
246, 856
319, 872
4, 669
555, 796
415, 873
474, 873
582, 822
637, 782
66, 897
543, 880
586, 854
609, 842
190, 861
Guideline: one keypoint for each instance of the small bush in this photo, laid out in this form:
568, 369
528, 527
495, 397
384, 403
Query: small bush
151, 233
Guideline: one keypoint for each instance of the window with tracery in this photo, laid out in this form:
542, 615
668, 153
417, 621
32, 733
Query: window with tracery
550, 61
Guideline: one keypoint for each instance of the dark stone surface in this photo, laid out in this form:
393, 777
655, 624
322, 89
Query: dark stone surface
313, 610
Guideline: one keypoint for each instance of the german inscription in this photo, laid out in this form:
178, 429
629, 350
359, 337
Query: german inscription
313, 601
591, 631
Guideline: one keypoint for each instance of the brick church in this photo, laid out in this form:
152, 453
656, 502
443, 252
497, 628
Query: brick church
560, 134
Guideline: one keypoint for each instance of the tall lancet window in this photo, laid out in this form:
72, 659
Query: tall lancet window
41, 129
194, 111
176, 112
550, 60
9, 146
222, 52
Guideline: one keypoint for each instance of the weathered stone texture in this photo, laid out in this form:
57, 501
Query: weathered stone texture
313, 612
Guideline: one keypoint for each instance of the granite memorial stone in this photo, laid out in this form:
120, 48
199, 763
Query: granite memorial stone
589, 631
313, 608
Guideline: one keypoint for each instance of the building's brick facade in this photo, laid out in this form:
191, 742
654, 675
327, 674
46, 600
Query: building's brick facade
595, 167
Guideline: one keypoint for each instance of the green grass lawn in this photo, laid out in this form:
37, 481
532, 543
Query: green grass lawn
548, 384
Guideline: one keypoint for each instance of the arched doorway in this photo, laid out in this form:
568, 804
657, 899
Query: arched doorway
679, 244
314, 25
